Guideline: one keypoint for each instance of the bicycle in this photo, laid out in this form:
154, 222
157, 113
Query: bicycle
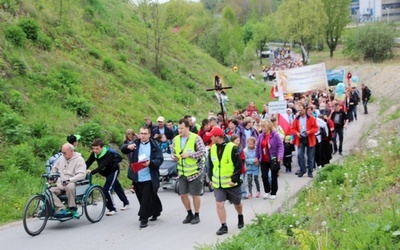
40, 207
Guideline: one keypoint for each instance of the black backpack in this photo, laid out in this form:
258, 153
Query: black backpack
323, 133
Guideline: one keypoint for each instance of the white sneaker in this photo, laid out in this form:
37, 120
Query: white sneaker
125, 207
111, 213
273, 197
266, 196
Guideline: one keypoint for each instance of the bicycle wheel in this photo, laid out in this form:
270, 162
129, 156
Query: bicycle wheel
36, 214
95, 204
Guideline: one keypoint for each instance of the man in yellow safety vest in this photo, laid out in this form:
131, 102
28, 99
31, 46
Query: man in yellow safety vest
189, 151
224, 172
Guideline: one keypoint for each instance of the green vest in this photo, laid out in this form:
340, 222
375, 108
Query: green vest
186, 167
222, 171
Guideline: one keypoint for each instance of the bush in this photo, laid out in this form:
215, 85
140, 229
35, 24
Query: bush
108, 65
47, 146
30, 28
44, 42
18, 66
22, 157
371, 42
14, 128
95, 53
39, 129
89, 132
80, 105
15, 35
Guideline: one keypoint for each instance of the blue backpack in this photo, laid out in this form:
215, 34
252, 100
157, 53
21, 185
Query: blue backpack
117, 156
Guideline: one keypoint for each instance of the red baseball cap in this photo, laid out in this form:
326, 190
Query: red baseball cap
216, 131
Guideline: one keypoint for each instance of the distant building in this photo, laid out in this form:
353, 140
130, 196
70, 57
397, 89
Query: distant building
375, 10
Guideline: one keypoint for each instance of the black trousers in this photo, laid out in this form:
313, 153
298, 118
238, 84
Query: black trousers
269, 187
150, 203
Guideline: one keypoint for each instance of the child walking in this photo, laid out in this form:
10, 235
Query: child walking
287, 159
251, 167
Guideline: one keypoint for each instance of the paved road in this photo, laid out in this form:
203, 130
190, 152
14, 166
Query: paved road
122, 230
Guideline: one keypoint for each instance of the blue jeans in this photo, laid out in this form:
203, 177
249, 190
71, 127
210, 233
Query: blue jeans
365, 102
310, 158
243, 186
338, 132
355, 112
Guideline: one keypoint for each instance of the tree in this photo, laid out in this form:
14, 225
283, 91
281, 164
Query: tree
302, 21
263, 32
337, 12
197, 23
231, 35
372, 42
159, 19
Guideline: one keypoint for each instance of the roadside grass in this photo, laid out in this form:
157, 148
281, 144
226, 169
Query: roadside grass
94, 79
349, 206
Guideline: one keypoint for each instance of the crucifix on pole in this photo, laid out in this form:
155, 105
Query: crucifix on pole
220, 93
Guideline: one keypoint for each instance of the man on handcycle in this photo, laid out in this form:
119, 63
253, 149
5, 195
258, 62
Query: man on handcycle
71, 168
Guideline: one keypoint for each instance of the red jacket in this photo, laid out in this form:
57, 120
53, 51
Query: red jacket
311, 127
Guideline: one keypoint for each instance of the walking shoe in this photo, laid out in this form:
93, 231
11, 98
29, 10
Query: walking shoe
266, 196
273, 197
240, 221
125, 207
74, 212
310, 175
132, 189
222, 230
195, 220
300, 174
340, 153
188, 219
297, 172
258, 195
249, 196
111, 213
143, 224
153, 218
334, 152
63, 213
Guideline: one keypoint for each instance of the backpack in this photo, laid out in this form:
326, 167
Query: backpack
323, 133
367, 93
52, 161
117, 156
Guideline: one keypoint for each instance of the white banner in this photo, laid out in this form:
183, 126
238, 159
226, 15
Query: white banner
278, 107
302, 79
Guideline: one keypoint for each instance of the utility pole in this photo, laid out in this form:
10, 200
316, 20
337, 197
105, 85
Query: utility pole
388, 11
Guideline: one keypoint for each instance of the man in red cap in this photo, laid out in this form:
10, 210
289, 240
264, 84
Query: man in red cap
224, 172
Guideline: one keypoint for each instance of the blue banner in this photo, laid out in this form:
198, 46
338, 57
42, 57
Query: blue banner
335, 76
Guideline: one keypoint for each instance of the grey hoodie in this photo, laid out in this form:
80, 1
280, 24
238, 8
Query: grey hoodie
73, 169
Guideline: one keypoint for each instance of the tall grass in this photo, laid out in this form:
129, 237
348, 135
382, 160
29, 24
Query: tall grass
349, 206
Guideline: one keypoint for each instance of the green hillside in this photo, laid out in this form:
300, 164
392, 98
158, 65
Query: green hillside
85, 67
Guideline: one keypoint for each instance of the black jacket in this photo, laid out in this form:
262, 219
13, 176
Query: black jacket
105, 164
167, 132
156, 159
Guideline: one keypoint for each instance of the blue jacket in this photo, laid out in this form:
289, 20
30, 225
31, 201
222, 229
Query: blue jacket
156, 159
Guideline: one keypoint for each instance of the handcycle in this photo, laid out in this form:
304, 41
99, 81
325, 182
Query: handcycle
40, 207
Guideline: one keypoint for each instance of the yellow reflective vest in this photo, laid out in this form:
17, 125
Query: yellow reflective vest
188, 166
222, 171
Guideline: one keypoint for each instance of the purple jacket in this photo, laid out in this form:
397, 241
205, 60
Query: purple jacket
276, 145
242, 135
